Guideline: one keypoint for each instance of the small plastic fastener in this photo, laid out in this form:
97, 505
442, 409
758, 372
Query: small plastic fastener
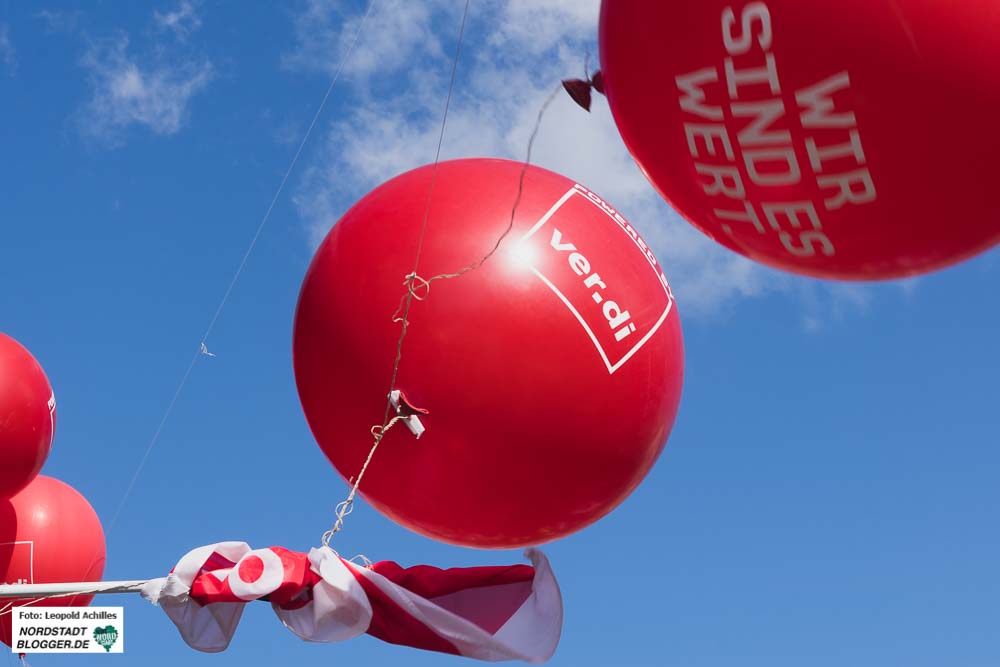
408, 411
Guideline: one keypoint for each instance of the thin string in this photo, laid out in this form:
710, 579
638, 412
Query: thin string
8, 609
153, 441
202, 348
378, 432
427, 207
413, 282
291, 167
17, 603
347, 506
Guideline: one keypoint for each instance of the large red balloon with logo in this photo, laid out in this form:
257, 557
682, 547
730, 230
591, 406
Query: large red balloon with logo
27, 417
49, 533
850, 139
551, 373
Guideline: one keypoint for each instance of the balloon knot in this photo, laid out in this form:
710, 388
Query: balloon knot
579, 89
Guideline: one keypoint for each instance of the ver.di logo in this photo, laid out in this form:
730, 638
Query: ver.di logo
106, 636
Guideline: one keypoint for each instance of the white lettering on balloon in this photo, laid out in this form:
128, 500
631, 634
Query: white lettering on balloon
600, 279
758, 146
613, 313
20, 562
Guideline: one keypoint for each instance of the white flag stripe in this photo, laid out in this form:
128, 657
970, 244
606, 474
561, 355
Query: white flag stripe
322, 598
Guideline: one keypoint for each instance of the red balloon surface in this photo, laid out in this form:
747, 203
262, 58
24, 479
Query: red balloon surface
27, 417
552, 373
49, 533
848, 139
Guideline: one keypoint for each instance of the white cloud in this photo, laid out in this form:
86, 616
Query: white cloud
826, 304
909, 286
515, 55
127, 93
396, 31
182, 21
8, 56
59, 21
539, 25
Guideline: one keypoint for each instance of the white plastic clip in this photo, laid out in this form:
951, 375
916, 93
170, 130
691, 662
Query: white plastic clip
408, 412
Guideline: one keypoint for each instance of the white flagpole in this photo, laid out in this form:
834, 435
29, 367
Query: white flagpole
69, 588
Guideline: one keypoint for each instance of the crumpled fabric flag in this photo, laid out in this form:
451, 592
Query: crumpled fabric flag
488, 613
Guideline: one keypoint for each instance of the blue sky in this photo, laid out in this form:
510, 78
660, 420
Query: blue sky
829, 493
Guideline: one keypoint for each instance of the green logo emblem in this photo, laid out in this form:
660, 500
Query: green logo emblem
106, 636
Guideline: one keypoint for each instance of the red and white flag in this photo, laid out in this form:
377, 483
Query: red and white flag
487, 613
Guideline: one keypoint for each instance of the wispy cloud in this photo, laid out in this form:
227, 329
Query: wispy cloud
59, 21
182, 21
127, 93
148, 85
516, 53
8, 56
537, 26
396, 32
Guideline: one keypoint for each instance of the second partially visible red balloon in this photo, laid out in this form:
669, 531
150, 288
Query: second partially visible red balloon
49, 533
848, 139
27, 417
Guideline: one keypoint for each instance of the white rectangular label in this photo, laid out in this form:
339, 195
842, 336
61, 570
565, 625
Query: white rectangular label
19, 557
618, 332
68, 630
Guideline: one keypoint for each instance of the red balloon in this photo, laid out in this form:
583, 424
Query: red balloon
552, 373
27, 417
49, 533
849, 139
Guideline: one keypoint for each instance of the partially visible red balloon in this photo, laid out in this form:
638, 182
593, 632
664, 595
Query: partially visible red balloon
552, 372
27, 417
49, 533
848, 139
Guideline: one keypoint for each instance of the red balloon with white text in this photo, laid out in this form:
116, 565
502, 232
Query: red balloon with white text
27, 417
847, 139
552, 372
49, 533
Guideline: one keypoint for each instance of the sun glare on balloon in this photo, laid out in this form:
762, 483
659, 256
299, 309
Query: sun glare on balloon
521, 255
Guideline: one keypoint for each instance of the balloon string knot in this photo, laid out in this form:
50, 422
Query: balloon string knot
413, 282
579, 89
419, 288
345, 507
378, 432
416, 288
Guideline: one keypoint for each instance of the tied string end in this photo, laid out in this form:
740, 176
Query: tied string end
345, 507
580, 89
414, 283
418, 288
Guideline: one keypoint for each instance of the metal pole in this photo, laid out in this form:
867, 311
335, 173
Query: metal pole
70, 588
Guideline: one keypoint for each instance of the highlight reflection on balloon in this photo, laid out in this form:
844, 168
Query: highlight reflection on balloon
551, 382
